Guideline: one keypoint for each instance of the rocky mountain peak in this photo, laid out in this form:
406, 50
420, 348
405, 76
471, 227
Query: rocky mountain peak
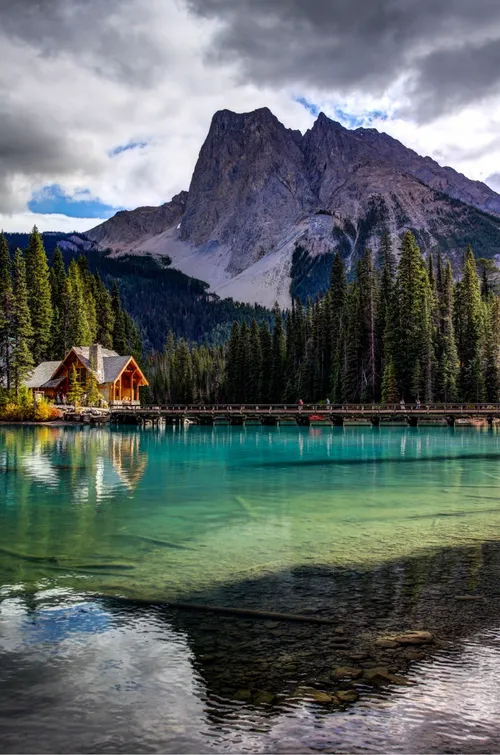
259, 190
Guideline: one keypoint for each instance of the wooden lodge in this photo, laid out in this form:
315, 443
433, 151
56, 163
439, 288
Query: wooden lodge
119, 378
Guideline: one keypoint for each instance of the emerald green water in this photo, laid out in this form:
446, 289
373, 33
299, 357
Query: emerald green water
378, 530
162, 514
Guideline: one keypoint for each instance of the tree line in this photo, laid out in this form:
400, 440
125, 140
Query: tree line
399, 329
45, 310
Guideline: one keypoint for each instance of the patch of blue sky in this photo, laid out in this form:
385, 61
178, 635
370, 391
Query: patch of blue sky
345, 117
310, 106
53, 199
126, 148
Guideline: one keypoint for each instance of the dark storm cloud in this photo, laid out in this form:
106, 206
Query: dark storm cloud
97, 35
29, 147
105, 35
448, 48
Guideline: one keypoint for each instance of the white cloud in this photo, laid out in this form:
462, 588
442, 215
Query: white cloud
136, 70
22, 222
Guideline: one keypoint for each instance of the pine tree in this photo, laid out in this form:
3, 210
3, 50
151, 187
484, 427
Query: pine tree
243, 380
448, 358
412, 336
390, 393
266, 349
255, 364
385, 302
6, 309
232, 363
57, 279
92, 387
89, 300
104, 314
76, 389
278, 358
351, 367
471, 342
39, 296
21, 359
338, 297
492, 349
79, 331
132, 338
369, 339
119, 335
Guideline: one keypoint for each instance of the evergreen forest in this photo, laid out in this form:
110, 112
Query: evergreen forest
398, 329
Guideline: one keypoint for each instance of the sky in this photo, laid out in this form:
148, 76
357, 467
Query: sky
104, 105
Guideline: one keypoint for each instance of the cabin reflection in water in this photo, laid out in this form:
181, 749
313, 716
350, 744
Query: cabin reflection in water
97, 461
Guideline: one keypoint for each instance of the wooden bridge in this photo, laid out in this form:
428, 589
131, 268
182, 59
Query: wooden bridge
310, 414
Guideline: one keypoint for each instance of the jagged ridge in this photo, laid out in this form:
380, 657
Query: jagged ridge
260, 189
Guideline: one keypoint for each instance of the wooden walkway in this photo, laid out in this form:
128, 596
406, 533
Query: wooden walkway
311, 414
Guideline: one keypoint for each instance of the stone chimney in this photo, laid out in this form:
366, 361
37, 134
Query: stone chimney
97, 361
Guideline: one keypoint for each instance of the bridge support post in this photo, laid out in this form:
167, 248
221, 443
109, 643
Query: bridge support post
450, 421
413, 421
337, 421
375, 421
490, 421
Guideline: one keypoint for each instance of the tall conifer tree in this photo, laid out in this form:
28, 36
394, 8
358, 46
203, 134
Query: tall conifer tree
471, 342
21, 359
39, 296
6, 312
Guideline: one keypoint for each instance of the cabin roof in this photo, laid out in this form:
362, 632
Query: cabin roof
41, 374
113, 366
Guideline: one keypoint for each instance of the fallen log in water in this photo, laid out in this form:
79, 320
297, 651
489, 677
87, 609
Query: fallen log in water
155, 541
249, 613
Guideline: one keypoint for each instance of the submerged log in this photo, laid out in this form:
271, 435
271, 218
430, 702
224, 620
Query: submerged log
250, 613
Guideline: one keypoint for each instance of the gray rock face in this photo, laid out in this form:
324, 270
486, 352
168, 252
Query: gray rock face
249, 183
128, 227
259, 189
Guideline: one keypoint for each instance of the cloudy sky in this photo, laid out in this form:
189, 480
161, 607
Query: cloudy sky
104, 104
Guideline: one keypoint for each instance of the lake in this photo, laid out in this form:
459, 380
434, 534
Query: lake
117, 547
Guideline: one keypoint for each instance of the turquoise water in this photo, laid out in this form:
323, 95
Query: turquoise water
377, 529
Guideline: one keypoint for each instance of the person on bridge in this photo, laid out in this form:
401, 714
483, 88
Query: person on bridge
328, 402
402, 404
300, 404
418, 404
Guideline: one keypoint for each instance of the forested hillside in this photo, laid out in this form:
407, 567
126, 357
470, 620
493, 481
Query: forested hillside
158, 298
405, 330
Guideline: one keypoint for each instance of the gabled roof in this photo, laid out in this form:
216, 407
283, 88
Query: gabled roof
41, 374
113, 366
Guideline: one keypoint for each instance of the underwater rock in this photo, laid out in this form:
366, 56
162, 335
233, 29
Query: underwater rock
385, 642
347, 672
414, 638
262, 697
381, 676
346, 695
242, 695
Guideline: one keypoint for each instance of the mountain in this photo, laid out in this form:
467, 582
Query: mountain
267, 207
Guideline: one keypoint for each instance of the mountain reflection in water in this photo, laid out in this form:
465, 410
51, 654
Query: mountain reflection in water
100, 529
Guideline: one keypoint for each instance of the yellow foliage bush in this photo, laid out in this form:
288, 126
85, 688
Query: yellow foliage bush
24, 410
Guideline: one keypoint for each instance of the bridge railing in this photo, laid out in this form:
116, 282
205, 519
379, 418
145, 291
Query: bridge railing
234, 408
